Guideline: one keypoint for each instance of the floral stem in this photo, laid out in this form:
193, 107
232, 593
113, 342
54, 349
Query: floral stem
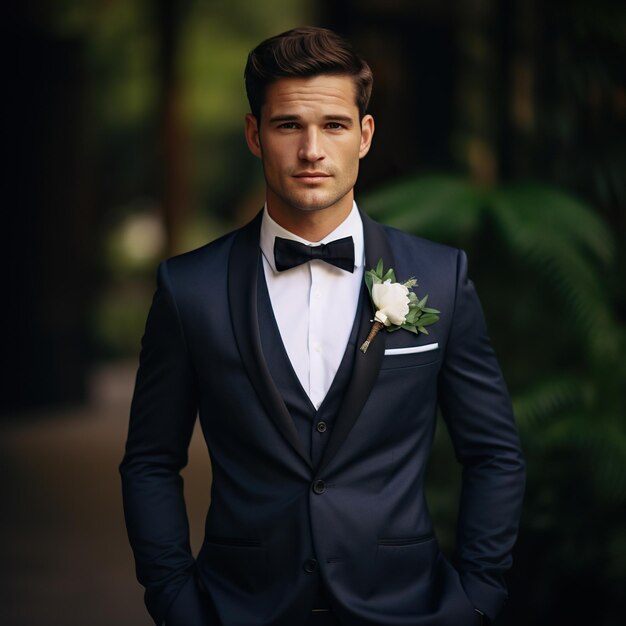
376, 328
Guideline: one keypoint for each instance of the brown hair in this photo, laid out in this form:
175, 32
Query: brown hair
303, 53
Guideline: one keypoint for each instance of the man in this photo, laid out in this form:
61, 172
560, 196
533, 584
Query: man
318, 448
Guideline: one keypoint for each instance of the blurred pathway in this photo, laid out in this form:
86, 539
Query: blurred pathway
64, 555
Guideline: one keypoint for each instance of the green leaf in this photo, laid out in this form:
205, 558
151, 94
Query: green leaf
379, 268
428, 319
422, 302
410, 327
412, 316
389, 275
427, 310
422, 330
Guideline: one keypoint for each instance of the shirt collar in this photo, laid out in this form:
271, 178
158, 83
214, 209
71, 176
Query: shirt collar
352, 226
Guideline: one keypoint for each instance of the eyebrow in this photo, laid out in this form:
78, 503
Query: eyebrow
328, 118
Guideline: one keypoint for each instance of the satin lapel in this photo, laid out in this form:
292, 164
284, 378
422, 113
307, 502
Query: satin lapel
243, 269
366, 366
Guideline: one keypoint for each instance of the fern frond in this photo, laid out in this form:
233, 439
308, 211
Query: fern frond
601, 443
545, 400
538, 230
436, 206
543, 208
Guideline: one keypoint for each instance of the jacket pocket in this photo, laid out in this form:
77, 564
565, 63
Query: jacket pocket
406, 541
412, 349
237, 543
412, 359
242, 563
404, 568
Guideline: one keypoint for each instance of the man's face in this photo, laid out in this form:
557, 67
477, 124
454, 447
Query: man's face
310, 141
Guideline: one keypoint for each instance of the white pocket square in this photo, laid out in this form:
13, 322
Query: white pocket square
413, 350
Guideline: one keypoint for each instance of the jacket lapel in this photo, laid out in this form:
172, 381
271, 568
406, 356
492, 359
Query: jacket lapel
366, 366
243, 270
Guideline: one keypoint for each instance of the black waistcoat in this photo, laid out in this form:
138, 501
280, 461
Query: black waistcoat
313, 425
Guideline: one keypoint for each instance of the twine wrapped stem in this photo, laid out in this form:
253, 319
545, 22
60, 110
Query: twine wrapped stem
376, 328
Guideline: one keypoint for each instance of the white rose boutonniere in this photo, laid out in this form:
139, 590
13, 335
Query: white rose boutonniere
395, 305
391, 301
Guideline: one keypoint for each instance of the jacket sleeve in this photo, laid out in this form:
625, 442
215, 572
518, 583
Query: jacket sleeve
163, 412
477, 410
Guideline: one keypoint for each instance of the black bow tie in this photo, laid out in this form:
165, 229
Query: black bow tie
289, 253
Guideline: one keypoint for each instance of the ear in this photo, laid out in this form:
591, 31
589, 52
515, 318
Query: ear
367, 134
252, 135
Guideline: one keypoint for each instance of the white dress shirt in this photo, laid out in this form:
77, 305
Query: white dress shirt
314, 304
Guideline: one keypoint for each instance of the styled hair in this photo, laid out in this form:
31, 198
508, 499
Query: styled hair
303, 53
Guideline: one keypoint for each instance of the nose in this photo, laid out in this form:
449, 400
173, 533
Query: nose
310, 147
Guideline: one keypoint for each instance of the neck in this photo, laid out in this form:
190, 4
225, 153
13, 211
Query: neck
312, 225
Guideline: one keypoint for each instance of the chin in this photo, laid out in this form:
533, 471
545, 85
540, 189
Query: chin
308, 201
314, 204
307, 209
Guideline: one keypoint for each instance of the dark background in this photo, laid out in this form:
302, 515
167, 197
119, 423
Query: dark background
500, 128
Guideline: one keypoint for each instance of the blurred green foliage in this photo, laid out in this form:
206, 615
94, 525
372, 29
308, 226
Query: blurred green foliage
212, 43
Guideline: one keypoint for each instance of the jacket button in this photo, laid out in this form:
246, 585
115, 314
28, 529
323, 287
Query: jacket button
319, 487
310, 566
321, 427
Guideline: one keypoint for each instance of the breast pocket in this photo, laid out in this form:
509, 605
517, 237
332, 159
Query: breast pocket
411, 356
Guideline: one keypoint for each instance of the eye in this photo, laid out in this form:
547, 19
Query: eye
334, 125
288, 125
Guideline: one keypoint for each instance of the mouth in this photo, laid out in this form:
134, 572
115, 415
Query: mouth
311, 177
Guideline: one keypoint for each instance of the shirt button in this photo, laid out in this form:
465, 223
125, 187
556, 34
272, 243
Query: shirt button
321, 427
310, 566
319, 487
317, 347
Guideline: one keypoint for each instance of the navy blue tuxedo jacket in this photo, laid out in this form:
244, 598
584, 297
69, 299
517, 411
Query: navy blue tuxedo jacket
357, 516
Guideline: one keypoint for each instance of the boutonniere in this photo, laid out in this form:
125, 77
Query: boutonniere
395, 305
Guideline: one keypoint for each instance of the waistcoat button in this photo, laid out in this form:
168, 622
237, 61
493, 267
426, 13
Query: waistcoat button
310, 566
321, 427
